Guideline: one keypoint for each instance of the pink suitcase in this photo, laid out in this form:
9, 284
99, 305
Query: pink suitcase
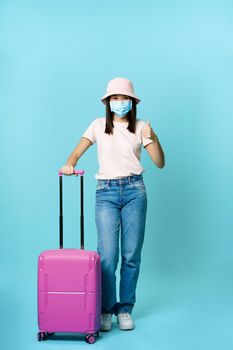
69, 286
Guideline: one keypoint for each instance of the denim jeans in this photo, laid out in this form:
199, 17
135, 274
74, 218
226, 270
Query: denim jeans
121, 206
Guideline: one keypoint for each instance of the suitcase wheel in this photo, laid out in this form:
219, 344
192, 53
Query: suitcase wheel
90, 338
41, 336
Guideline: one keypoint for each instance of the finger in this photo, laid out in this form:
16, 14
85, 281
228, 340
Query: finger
145, 134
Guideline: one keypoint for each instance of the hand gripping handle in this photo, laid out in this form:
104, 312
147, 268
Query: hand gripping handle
76, 172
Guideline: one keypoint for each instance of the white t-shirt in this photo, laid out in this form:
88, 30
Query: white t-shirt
118, 153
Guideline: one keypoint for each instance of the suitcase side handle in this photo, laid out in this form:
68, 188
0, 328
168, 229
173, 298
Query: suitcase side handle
76, 172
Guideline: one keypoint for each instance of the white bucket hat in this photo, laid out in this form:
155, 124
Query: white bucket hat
120, 86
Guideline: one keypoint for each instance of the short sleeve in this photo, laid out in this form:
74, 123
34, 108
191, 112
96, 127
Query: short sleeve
90, 133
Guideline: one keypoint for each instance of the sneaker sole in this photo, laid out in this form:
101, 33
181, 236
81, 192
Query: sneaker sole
126, 328
107, 329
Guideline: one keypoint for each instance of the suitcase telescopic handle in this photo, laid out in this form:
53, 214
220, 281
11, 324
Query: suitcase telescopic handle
81, 173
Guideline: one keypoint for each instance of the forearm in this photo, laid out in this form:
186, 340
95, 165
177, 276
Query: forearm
156, 152
72, 159
83, 145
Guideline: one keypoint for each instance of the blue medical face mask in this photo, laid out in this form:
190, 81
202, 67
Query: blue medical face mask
121, 108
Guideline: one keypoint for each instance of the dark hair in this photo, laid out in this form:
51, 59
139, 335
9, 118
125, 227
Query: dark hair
131, 117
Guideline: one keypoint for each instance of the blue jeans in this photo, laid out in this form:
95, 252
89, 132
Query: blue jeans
120, 203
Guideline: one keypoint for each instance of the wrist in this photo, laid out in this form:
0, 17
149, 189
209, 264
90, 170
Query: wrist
154, 138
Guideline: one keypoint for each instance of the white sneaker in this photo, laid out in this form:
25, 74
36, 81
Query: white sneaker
106, 322
125, 321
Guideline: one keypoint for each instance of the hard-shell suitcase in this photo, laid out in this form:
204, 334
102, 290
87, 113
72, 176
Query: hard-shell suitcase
69, 286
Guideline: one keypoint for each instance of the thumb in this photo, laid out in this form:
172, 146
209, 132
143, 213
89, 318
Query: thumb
147, 123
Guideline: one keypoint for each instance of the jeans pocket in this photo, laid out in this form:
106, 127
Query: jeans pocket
139, 185
101, 187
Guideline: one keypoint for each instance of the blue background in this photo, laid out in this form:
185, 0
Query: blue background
56, 58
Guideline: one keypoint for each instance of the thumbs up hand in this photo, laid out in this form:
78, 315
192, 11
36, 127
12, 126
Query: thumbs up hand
148, 132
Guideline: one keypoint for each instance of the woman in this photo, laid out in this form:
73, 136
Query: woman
121, 201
